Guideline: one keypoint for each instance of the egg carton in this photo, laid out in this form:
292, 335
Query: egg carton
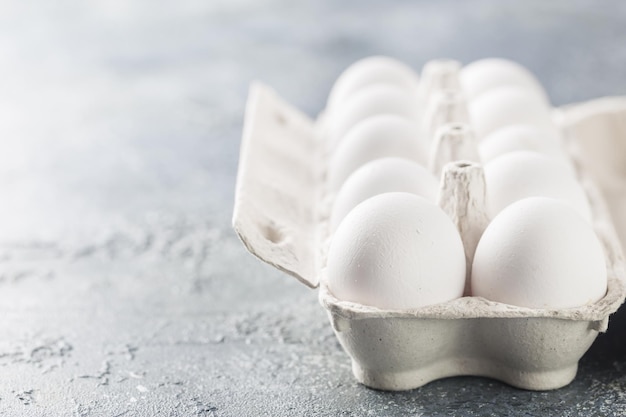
277, 217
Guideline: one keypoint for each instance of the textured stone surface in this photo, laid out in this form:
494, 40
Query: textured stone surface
123, 290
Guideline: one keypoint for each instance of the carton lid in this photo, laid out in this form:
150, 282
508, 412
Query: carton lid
275, 196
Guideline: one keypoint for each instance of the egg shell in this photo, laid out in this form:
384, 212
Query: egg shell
508, 105
373, 100
396, 251
375, 137
380, 176
521, 174
488, 74
369, 71
279, 187
522, 138
539, 253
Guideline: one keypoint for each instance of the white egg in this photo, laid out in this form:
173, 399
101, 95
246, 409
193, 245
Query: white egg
505, 106
396, 251
517, 175
375, 137
539, 253
383, 176
374, 100
487, 74
368, 71
521, 138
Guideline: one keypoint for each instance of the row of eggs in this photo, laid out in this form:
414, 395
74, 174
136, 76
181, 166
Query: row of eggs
393, 247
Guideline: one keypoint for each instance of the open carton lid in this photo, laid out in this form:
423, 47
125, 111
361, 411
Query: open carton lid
275, 197
277, 185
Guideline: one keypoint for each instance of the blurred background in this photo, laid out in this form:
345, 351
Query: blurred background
123, 289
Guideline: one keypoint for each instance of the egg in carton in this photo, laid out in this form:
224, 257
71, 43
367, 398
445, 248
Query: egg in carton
286, 199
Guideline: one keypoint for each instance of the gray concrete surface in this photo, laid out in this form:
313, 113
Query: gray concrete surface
123, 290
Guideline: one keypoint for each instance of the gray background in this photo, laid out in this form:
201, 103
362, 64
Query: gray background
123, 290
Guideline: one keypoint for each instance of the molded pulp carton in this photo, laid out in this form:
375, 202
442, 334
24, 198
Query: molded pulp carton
281, 217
